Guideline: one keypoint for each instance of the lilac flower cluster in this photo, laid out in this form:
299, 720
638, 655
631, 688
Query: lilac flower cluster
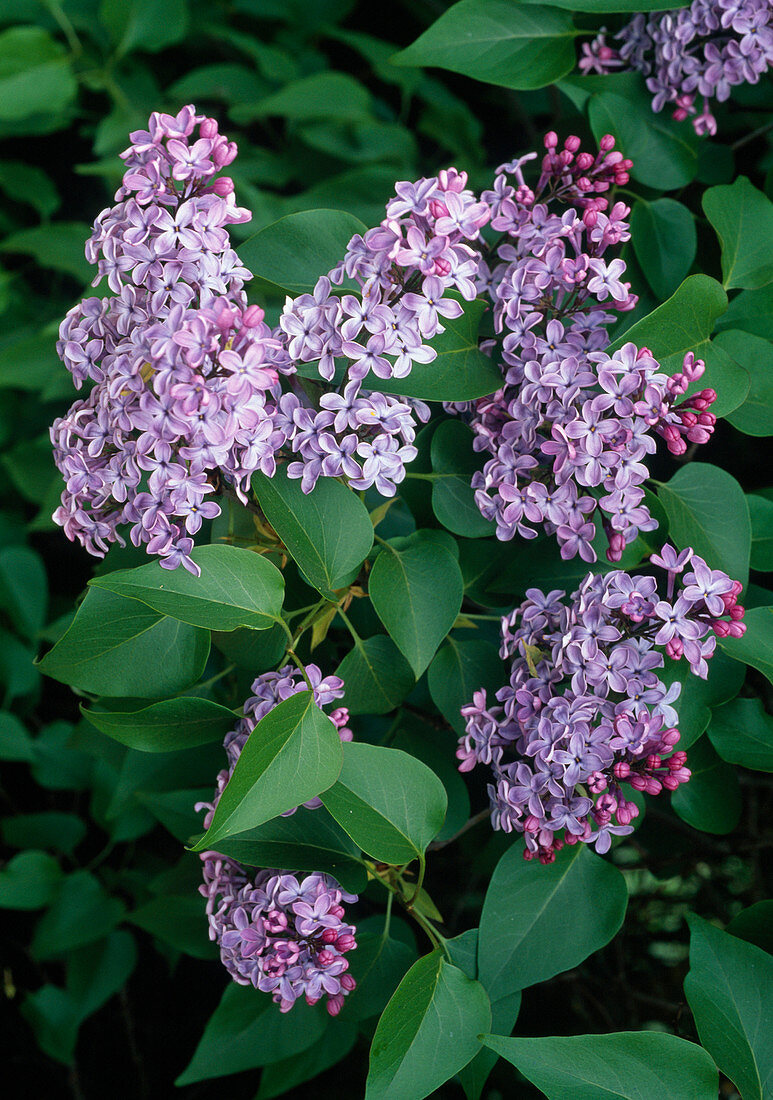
585, 712
185, 372
570, 427
701, 51
284, 935
404, 270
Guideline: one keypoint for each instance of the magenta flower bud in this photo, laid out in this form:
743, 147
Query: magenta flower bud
208, 128
607, 142
652, 785
337, 911
675, 648
678, 760
345, 943
348, 982
736, 630
721, 628
325, 958
638, 782
222, 186
551, 139
654, 761
252, 317
329, 935
334, 1004
670, 737
737, 612
621, 770
590, 217
572, 143
670, 782
585, 161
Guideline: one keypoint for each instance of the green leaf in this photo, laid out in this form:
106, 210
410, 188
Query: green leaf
698, 500
664, 240
322, 95
742, 218
711, 800
376, 675
120, 647
434, 747
144, 24
81, 913
53, 1017
165, 726
428, 1032
30, 880
604, 6
236, 588
175, 809
417, 593
461, 372
755, 355
308, 840
664, 153
693, 706
179, 921
742, 733
761, 513
327, 532
247, 1030
578, 903
755, 647
15, 743
58, 246
755, 925
35, 74
728, 989
334, 1045
23, 588
98, 971
504, 1014
378, 965
291, 254
751, 311
29, 184
459, 670
631, 1065
454, 463
293, 754
389, 803
49, 829
497, 42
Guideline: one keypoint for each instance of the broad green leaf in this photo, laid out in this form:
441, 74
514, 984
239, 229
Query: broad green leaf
751, 311
742, 733
333, 1046
711, 800
755, 355
15, 743
246, 1031
728, 989
761, 513
29, 184
322, 95
378, 965
664, 153
23, 588
510, 45
453, 498
755, 647
417, 593
428, 1032
58, 246
742, 217
179, 921
293, 754
81, 913
98, 971
459, 670
698, 500
604, 6
630, 1065
664, 240
291, 254
144, 24
376, 675
236, 588
35, 74
697, 696
308, 840
224, 81
53, 1016
755, 925
120, 647
461, 372
252, 649
578, 902
175, 809
327, 532
389, 803
30, 880
434, 747
59, 832
165, 726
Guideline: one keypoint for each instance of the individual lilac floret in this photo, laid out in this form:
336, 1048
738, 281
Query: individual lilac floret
570, 428
184, 371
585, 712
283, 934
695, 53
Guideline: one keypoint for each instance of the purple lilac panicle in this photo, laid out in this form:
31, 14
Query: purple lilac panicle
283, 934
570, 428
585, 712
697, 53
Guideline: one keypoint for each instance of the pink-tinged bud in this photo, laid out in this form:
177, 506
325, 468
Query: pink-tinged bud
348, 982
325, 958
585, 161
736, 630
208, 128
674, 648
252, 316
590, 217
583, 184
531, 824
329, 935
621, 770
670, 737
224, 154
565, 158
670, 782
335, 1004
613, 159
337, 911
654, 761
720, 628
346, 943
736, 612
679, 114
638, 782
551, 139
678, 760
737, 588
222, 186
442, 268
652, 785
572, 143
607, 142
438, 209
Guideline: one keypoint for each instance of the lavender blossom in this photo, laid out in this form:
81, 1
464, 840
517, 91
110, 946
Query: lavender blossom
585, 712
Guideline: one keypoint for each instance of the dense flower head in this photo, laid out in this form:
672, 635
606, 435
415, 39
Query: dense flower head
185, 373
692, 55
570, 428
284, 934
585, 712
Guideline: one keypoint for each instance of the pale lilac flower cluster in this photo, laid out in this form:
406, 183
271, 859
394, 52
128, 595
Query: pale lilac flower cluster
585, 712
698, 52
404, 270
572, 424
283, 934
184, 371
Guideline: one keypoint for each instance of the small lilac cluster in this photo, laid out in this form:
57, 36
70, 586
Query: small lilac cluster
185, 371
703, 50
404, 270
570, 427
284, 935
585, 712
